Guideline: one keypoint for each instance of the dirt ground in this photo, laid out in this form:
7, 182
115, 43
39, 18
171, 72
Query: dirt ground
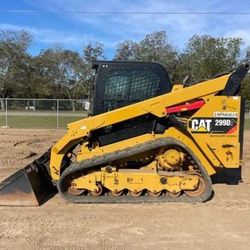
222, 223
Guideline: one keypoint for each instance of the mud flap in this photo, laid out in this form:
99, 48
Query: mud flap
27, 187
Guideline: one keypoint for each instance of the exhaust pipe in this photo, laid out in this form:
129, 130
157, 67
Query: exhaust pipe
30, 186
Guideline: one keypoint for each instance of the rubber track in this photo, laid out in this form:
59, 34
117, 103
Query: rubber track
120, 154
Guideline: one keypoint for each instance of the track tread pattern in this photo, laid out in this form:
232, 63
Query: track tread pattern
120, 154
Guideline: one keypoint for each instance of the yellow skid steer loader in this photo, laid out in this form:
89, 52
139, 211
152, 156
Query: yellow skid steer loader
146, 140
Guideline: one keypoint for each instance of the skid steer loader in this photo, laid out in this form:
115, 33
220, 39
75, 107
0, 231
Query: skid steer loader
146, 140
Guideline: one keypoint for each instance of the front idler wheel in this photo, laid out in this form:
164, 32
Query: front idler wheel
198, 191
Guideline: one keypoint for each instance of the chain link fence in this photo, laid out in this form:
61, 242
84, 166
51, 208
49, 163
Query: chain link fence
50, 113
40, 113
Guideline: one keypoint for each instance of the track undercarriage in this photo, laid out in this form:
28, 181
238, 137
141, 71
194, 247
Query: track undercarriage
161, 170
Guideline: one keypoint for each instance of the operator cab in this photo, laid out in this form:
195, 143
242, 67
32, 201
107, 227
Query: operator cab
119, 84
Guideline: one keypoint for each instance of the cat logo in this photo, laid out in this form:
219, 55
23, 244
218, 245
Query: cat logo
201, 125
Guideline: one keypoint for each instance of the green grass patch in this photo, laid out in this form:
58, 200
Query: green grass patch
247, 123
38, 121
50, 122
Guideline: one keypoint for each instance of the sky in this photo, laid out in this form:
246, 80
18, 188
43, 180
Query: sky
50, 27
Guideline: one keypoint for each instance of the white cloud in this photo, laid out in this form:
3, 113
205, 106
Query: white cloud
242, 33
121, 27
49, 36
110, 29
128, 26
65, 38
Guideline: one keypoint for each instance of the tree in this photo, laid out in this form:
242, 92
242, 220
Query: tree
69, 74
125, 51
93, 53
90, 54
206, 56
62, 70
14, 69
155, 47
245, 86
60, 73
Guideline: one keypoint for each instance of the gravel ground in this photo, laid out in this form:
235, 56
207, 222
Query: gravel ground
222, 223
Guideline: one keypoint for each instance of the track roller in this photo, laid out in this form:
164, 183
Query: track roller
135, 193
117, 193
98, 191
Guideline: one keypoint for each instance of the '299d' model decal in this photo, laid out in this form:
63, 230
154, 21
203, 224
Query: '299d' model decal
213, 125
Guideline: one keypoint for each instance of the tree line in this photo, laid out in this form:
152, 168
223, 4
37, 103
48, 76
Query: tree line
61, 73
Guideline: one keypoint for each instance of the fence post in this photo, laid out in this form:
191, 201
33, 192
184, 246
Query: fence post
57, 113
6, 111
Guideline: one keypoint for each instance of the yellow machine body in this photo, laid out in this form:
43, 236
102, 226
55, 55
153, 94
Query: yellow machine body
219, 150
202, 134
214, 150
